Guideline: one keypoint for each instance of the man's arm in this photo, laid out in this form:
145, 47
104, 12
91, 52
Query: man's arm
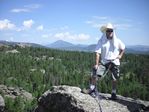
121, 53
97, 60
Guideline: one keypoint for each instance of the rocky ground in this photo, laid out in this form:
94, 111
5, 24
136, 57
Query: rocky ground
13, 93
70, 99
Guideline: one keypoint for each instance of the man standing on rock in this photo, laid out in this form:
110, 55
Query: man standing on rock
109, 51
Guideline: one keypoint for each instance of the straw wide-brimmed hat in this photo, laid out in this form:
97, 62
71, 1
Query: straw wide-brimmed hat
105, 27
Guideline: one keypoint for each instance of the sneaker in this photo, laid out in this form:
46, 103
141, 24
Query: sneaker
87, 91
113, 96
93, 92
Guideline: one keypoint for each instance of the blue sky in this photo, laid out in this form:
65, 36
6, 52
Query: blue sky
75, 21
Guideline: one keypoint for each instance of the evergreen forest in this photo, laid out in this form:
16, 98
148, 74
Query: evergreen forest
36, 70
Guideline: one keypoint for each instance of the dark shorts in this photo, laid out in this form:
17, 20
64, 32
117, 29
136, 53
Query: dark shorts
102, 70
114, 70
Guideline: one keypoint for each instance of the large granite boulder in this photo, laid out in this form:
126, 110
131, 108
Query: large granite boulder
70, 99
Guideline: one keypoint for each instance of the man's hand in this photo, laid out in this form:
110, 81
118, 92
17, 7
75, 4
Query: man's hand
119, 57
95, 66
120, 54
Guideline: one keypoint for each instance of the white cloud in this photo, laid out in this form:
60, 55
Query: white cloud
123, 26
100, 17
11, 39
83, 37
28, 23
120, 23
64, 28
40, 28
33, 6
19, 29
26, 8
17, 10
46, 36
6, 24
94, 24
72, 37
89, 22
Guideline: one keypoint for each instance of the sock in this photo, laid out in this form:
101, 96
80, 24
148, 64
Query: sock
92, 87
114, 91
114, 85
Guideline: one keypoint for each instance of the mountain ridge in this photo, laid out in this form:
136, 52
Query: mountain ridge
64, 45
12, 43
60, 44
136, 49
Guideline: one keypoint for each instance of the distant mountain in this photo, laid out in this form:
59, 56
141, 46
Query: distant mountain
63, 45
139, 48
3, 42
91, 47
60, 44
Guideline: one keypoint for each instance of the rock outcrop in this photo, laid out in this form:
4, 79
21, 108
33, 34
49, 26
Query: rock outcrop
13, 92
70, 99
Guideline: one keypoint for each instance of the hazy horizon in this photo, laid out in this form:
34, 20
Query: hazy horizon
44, 44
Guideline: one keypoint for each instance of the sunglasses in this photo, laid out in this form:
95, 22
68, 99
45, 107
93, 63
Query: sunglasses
109, 30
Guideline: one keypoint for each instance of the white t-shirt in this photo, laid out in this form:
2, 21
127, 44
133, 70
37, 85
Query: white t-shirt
109, 51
